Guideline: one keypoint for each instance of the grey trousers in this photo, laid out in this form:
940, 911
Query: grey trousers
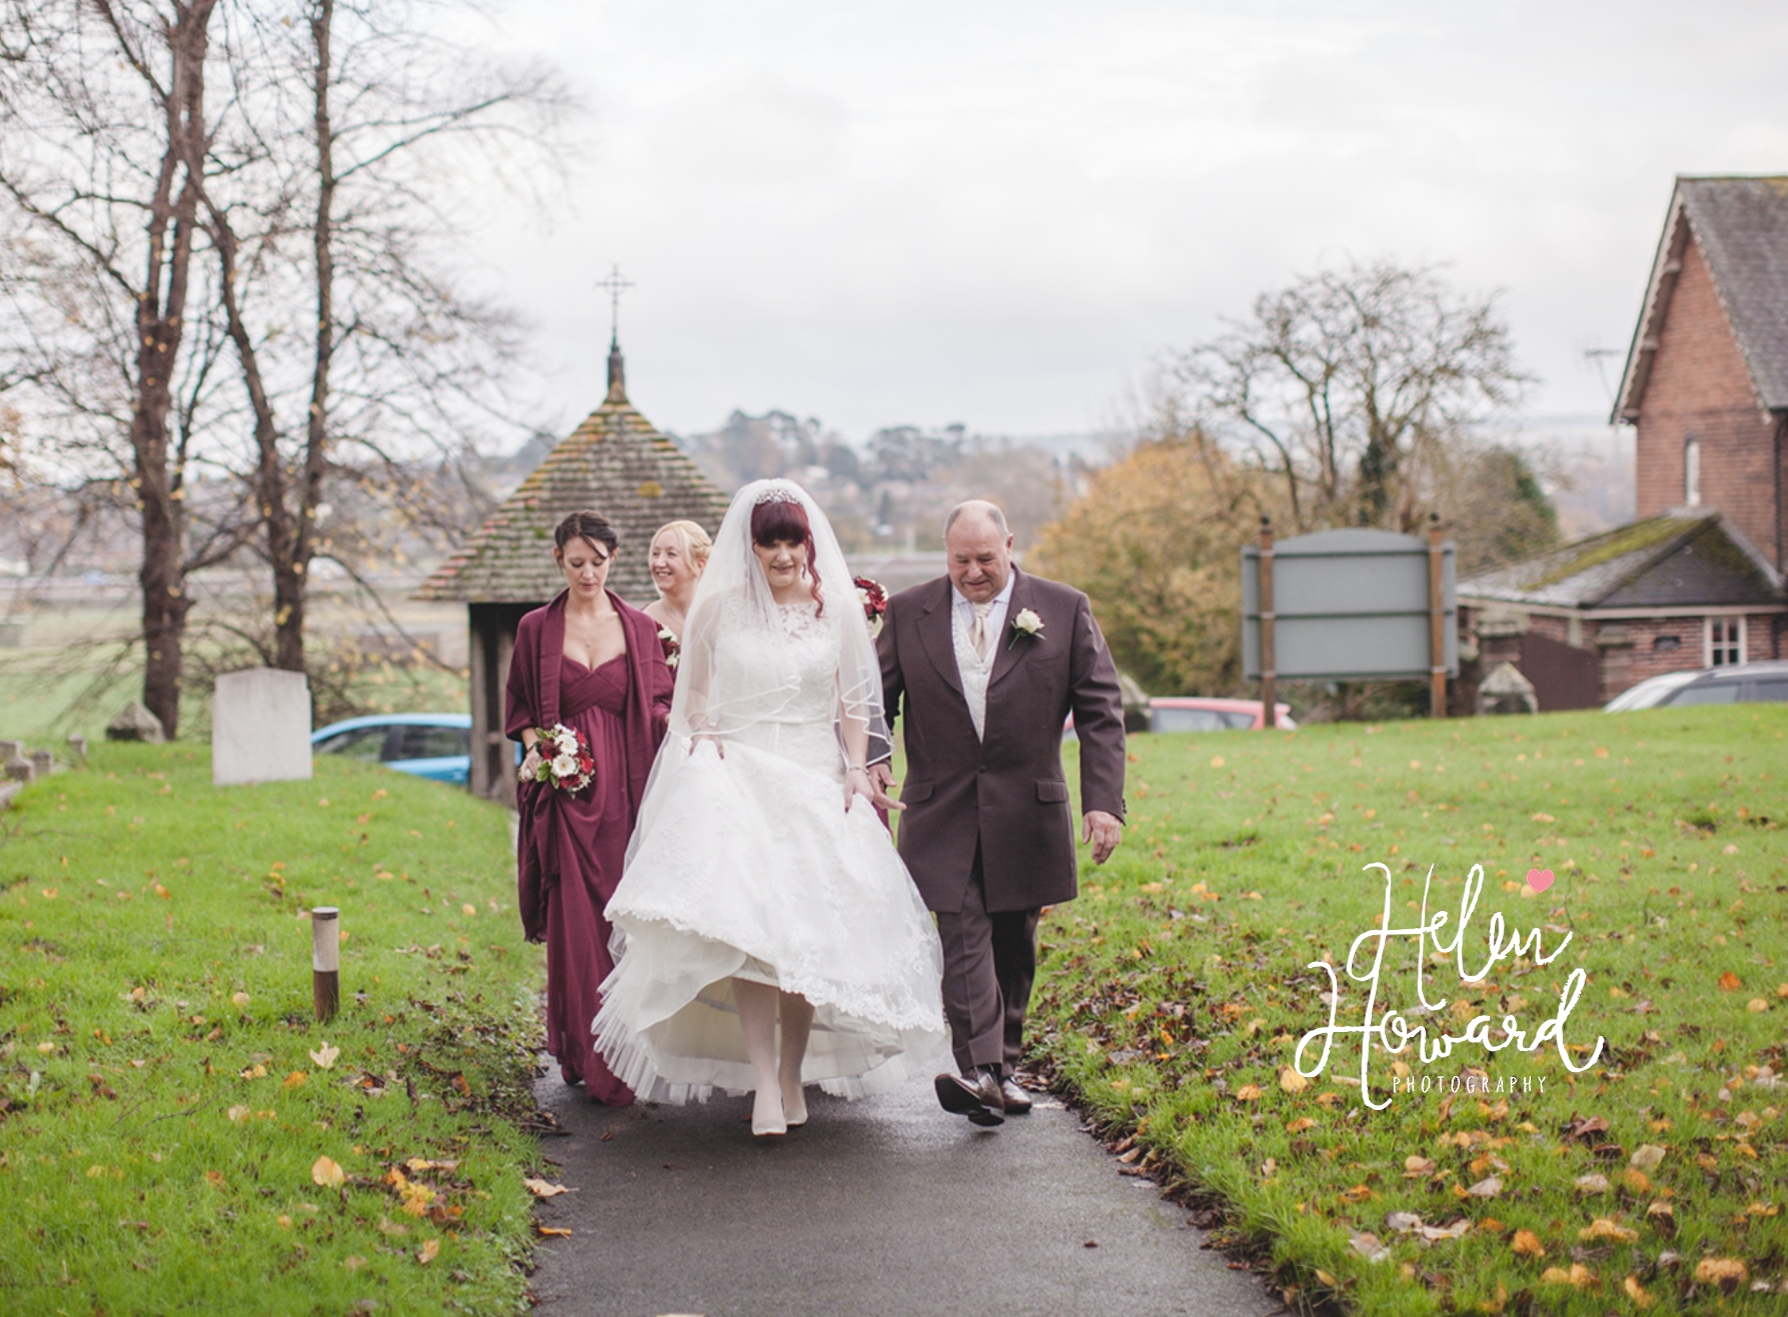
990, 962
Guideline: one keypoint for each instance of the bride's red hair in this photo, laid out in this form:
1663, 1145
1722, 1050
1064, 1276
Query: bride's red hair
784, 521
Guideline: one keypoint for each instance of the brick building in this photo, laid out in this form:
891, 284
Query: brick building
617, 464
1706, 382
1697, 580
1681, 590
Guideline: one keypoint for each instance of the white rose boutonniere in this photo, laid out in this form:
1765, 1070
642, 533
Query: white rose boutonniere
1027, 625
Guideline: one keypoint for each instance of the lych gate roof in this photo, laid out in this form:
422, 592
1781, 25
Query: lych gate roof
1686, 558
616, 464
1741, 225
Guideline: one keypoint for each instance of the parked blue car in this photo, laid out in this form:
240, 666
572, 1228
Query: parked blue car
437, 746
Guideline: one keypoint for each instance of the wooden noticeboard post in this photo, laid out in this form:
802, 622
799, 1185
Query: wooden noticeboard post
1268, 683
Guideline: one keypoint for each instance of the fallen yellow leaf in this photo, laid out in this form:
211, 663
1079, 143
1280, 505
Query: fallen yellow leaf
553, 1232
325, 1055
1637, 1294
1724, 1272
326, 1172
426, 1254
543, 1189
1291, 1081
237, 1113
296, 1079
1578, 1277
1527, 1244
1603, 1228
1247, 1092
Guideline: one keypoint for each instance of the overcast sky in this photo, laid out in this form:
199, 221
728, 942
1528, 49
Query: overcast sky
1000, 213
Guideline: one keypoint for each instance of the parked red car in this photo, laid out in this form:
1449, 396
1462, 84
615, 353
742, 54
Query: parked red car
1201, 713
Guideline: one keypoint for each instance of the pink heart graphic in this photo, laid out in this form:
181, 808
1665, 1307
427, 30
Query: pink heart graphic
1539, 879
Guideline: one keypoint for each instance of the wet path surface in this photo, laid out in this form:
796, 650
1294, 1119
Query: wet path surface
886, 1207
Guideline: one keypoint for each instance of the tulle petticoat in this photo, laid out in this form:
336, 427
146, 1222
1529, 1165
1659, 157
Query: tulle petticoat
749, 867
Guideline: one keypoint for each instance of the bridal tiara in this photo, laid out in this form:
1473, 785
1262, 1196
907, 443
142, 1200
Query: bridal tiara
777, 494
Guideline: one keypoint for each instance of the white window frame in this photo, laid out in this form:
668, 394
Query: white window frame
1691, 472
1727, 648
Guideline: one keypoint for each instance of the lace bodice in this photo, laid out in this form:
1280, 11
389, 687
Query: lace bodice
799, 664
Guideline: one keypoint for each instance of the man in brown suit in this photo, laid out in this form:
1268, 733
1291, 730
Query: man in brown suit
985, 665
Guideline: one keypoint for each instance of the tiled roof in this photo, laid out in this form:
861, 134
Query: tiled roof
1686, 558
1741, 225
616, 464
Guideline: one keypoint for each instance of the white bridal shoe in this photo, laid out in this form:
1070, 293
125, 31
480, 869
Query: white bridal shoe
795, 1112
769, 1123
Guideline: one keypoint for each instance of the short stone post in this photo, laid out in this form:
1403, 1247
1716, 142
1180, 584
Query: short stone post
77, 746
325, 961
10, 750
43, 762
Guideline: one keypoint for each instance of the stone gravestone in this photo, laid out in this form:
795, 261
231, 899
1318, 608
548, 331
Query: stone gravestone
11, 750
135, 723
1505, 690
43, 762
260, 727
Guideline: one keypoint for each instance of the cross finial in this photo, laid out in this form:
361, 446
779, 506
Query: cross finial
614, 286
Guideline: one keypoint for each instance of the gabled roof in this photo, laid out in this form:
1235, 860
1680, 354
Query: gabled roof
1741, 225
1686, 558
616, 464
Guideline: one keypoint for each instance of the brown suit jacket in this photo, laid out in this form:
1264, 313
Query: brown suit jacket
1006, 794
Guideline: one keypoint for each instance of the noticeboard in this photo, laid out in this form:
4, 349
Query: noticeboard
1350, 605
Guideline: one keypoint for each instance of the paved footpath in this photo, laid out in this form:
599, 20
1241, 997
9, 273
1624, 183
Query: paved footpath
886, 1207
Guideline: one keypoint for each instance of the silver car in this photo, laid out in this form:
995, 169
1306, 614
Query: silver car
1746, 683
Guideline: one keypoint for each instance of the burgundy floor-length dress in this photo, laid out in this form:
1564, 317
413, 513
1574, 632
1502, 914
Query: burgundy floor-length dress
570, 848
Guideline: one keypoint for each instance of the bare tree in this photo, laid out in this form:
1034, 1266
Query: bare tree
103, 135
1351, 386
332, 189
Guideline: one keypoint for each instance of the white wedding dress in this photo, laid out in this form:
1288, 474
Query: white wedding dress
745, 864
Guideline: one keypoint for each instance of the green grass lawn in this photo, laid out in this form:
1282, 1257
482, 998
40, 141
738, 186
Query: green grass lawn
166, 1095
1176, 990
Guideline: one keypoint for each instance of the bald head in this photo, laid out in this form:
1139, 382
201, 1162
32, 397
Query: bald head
978, 508
977, 550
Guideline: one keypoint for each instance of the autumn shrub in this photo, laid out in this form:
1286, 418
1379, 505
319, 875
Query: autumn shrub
177, 1132
1174, 994
1155, 542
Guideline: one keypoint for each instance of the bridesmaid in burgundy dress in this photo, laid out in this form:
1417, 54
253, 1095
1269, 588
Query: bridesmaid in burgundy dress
593, 663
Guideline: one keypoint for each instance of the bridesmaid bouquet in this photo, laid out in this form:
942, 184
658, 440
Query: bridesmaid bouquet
874, 600
571, 767
672, 647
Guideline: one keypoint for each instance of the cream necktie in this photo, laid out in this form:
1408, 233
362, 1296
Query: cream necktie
979, 634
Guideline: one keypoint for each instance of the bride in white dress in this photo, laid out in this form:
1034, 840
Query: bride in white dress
762, 896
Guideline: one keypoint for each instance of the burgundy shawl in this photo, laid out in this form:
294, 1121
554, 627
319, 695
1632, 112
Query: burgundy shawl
539, 697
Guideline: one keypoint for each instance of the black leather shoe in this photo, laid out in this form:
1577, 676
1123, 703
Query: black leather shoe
1017, 1101
976, 1096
